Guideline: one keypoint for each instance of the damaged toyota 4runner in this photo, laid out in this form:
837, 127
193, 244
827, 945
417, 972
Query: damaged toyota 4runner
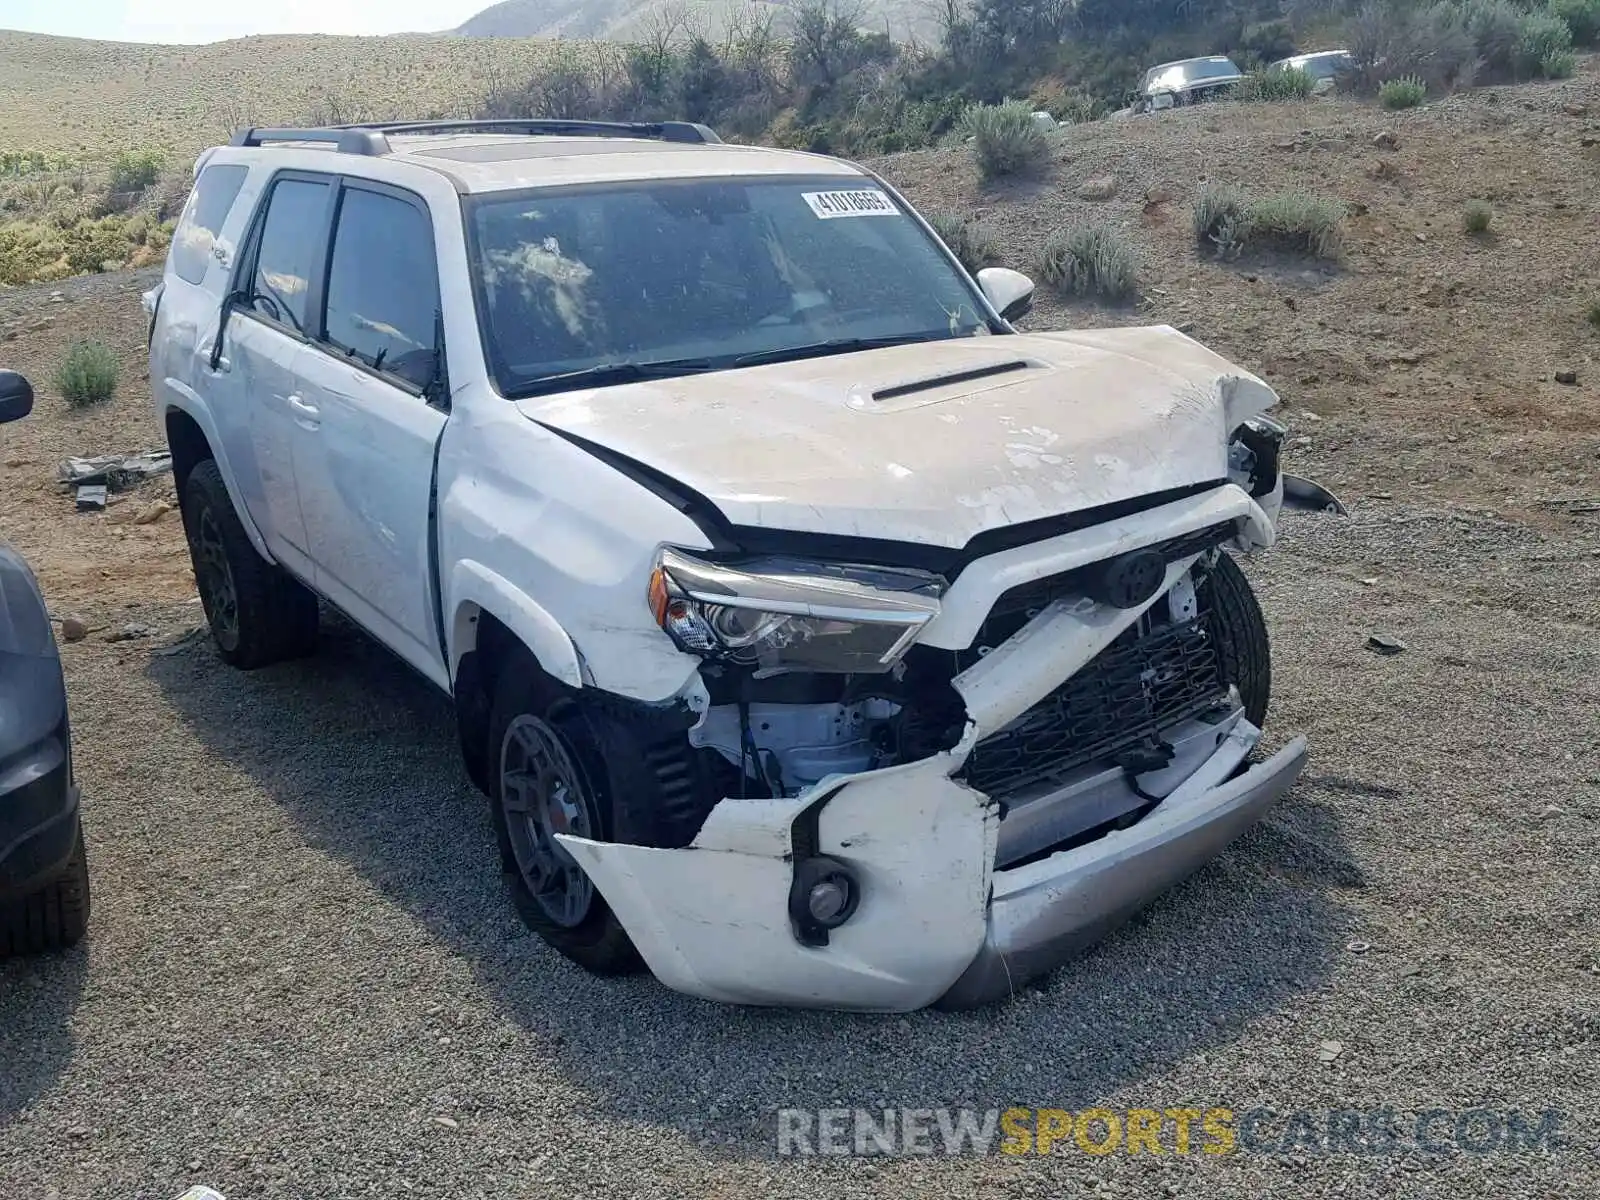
818, 638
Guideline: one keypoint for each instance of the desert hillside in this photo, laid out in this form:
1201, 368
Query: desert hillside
626, 19
76, 97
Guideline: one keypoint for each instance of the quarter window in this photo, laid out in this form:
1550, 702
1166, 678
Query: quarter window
208, 207
281, 286
383, 290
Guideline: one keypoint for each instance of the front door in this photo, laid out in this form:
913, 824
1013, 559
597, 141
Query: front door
370, 419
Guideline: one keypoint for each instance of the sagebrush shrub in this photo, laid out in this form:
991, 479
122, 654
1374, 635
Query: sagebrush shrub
1582, 18
1297, 223
974, 243
88, 375
1478, 216
1559, 64
1219, 219
134, 171
1593, 315
1005, 139
1495, 26
1402, 93
1541, 38
1089, 260
1291, 83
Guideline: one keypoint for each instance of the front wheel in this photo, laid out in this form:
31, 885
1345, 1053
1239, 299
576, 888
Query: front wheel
1243, 649
548, 779
53, 918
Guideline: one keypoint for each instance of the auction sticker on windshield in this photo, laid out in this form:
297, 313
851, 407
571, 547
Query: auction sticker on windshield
867, 203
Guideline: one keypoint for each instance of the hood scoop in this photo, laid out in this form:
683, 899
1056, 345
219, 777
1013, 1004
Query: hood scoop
933, 388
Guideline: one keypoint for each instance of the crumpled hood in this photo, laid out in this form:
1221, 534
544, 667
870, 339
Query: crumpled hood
931, 443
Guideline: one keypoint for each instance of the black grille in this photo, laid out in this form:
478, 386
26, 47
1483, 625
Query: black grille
1150, 677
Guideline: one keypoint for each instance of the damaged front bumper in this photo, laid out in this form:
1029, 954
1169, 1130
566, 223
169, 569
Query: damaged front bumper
962, 898
937, 924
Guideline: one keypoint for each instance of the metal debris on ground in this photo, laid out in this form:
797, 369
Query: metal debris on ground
131, 632
92, 497
116, 472
1384, 644
1572, 504
1328, 1051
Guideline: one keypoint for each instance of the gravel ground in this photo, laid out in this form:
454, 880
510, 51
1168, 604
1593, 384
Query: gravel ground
304, 979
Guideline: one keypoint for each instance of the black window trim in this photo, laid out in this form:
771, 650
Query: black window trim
244, 271
320, 341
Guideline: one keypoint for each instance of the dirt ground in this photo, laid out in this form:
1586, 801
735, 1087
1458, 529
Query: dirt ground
303, 979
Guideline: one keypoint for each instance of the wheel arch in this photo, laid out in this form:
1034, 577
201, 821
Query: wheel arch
492, 624
192, 438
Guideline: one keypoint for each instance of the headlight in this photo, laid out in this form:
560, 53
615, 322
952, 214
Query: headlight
788, 614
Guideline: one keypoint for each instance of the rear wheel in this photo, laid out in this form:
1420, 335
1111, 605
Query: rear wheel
1241, 636
52, 918
258, 614
548, 778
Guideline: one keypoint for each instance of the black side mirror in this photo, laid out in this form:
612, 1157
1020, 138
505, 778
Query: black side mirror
16, 397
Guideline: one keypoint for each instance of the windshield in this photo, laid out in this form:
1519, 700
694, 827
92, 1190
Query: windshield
1181, 74
605, 283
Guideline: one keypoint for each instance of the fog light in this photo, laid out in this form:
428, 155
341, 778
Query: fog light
829, 899
824, 896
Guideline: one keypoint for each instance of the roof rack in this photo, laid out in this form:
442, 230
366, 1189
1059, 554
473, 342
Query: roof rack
373, 141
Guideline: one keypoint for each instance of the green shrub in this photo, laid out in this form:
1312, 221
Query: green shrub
1005, 139
1291, 83
134, 171
1541, 38
88, 375
1559, 64
1078, 108
1089, 260
1296, 223
973, 243
1402, 93
1219, 219
1495, 26
1478, 216
1593, 315
1582, 18
1393, 41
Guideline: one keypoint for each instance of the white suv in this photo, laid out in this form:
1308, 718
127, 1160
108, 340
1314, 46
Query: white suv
818, 638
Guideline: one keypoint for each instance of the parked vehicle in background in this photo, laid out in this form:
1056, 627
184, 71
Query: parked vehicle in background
1324, 67
818, 638
1188, 81
44, 874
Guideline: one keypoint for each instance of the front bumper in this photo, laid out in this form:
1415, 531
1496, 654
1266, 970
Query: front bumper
1043, 913
937, 923
38, 816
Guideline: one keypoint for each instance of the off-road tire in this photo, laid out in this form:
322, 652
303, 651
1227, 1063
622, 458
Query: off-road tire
272, 617
1240, 631
598, 943
53, 918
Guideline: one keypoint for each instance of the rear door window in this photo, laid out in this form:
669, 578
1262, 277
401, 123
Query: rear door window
383, 286
207, 208
285, 261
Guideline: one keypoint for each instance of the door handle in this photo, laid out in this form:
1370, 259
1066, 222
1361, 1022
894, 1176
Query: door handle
223, 365
305, 415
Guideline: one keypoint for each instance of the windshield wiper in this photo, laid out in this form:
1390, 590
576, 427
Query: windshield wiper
607, 374
833, 346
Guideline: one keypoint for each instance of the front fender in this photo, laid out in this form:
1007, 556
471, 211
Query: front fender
474, 588
182, 398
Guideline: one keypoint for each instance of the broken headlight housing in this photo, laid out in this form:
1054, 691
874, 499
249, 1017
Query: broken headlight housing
781, 614
1253, 453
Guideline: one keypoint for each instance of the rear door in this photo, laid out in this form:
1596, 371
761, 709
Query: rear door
376, 399
266, 342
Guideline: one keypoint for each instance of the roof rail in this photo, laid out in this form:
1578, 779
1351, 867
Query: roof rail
371, 140
661, 131
349, 140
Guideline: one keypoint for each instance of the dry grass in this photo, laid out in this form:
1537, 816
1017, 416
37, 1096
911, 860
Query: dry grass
95, 100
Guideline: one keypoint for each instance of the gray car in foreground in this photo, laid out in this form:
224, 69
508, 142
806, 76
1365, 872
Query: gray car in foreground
44, 877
